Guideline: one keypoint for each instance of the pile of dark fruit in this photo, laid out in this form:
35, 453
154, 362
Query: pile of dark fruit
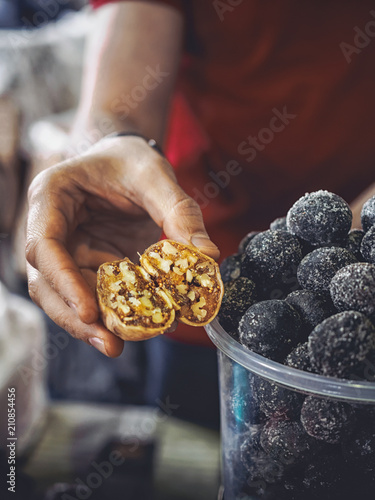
302, 293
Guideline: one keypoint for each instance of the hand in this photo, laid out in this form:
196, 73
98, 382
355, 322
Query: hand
109, 203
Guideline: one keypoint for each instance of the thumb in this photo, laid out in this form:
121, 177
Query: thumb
177, 214
183, 222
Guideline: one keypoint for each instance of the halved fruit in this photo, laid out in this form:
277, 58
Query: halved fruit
173, 281
132, 305
191, 278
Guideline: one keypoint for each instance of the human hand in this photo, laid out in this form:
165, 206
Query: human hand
107, 204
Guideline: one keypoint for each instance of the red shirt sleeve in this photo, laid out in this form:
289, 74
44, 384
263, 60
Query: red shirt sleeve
174, 3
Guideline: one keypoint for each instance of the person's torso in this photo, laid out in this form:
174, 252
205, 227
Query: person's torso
286, 89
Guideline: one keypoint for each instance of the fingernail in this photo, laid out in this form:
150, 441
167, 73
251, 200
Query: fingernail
203, 241
98, 344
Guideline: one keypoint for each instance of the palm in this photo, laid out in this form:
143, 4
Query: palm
105, 233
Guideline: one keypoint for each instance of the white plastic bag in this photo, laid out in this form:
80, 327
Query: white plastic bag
23, 363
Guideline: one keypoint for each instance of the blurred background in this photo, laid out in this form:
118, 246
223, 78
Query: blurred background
82, 430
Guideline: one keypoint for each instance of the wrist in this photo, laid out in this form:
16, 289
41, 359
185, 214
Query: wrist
150, 142
89, 128
96, 122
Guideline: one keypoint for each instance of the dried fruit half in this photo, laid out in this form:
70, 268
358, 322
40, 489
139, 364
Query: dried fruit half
173, 281
131, 304
191, 278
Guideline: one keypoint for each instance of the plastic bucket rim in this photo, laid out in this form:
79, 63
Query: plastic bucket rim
320, 385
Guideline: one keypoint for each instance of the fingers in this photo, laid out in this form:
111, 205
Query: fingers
176, 212
184, 218
148, 181
47, 230
94, 334
172, 328
88, 255
58, 268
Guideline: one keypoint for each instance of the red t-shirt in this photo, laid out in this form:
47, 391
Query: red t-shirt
274, 99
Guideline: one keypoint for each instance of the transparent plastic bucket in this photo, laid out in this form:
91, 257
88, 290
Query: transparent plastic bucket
266, 453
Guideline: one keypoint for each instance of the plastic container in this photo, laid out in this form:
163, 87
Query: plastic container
266, 452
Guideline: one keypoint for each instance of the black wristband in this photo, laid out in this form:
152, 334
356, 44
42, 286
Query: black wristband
151, 142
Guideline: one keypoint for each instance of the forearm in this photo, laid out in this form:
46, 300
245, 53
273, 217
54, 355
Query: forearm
130, 67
